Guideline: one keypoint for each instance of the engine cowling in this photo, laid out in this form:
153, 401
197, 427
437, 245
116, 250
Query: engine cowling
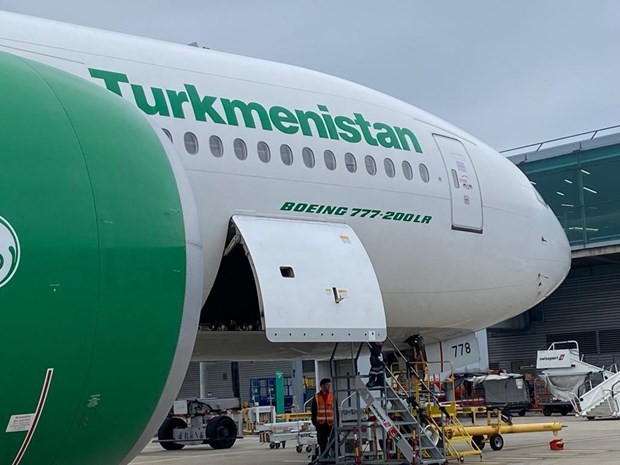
100, 275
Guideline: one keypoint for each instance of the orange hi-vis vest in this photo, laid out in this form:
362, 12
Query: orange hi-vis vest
324, 408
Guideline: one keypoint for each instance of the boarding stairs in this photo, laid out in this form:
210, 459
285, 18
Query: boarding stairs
602, 400
416, 378
391, 420
377, 425
413, 440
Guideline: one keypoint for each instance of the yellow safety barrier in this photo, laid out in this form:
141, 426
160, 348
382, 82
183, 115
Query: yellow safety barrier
286, 417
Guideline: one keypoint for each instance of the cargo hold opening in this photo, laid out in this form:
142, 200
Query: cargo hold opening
232, 304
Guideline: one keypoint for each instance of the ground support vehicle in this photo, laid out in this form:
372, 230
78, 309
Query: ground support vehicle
491, 431
547, 402
278, 434
195, 422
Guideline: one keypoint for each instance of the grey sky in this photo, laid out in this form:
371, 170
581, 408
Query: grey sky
509, 72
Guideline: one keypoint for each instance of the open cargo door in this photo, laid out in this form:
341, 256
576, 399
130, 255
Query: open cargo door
315, 280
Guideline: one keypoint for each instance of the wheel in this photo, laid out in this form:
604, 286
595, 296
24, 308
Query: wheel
277, 445
283, 444
299, 449
308, 449
522, 412
496, 441
166, 433
590, 418
547, 411
564, 412
462, 459
478, 441
222, 432
272, 445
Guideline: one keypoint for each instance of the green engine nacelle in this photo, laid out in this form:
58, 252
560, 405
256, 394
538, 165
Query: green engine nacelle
100, 287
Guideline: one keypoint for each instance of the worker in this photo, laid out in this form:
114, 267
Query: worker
448, 388
323, 414
418, 356
376, 376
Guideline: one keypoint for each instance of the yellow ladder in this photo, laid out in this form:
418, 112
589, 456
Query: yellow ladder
459, 443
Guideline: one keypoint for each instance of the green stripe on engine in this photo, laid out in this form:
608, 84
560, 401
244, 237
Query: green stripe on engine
100, 288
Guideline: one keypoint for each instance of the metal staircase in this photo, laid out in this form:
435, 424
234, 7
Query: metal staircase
442, 416
411, 438
602, 400
398, 421
563, 360
378, 425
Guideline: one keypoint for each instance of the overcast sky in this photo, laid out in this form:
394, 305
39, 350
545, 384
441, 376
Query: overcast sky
509, 72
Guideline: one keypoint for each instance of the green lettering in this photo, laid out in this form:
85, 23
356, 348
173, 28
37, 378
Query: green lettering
349, 131
304, 117
342, 211
362, 123
280, 117
427, 219
329, 122
387, 137
416, 219
403, 133
312, 208
203, 106
300, 207
247, 111
177, 99
288, 206
111, 80
329, 210
160, 107
309, 123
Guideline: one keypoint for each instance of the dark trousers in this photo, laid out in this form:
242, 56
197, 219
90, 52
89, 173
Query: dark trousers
322, 436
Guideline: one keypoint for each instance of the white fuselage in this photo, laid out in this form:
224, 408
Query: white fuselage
433, 278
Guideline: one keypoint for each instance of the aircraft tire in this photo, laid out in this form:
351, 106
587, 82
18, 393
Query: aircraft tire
222, 432
166, 432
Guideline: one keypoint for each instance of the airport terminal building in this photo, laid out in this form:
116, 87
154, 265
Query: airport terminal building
579, 178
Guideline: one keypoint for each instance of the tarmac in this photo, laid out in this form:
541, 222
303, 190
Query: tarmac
595, 442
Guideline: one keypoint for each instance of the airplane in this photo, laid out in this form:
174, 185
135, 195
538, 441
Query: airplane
163, 202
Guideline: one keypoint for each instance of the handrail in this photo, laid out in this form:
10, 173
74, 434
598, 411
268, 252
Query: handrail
442, 410
576, 344
539, 145
433, 396
350, 397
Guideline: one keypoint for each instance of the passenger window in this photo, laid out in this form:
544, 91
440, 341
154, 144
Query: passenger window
407, 170
390, 170
241, 150
424, 174
350, 162
168, 134
371, 165
455, 179
308, 156
264, 154
216, 146
191, 143
286, 154
330, 160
